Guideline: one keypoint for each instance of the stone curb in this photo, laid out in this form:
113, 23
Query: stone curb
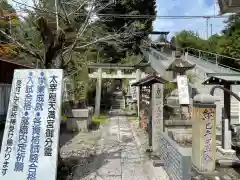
155, 173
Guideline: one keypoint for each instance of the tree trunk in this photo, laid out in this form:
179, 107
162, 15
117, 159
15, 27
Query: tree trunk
53, 53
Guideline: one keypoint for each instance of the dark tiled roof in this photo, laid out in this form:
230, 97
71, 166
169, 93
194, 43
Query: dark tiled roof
178, 63
151, 79
220, 79
17, 62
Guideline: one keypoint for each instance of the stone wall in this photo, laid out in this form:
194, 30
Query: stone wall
176, 125
177, 160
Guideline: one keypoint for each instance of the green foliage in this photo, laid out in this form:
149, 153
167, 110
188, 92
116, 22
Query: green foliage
189, 39
168, 88
82, 45
228, 43
191, 77
129, 7
131, 59
98, 120
8, 22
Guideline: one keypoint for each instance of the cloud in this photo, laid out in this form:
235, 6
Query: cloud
188, 8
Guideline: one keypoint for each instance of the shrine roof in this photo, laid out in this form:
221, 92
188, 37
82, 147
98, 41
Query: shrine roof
149, 80
222, 78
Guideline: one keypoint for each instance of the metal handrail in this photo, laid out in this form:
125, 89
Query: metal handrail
234, 70
213, 53
214, 61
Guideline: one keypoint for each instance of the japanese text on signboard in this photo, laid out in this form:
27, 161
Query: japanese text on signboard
30, 141
13, 116
207, 116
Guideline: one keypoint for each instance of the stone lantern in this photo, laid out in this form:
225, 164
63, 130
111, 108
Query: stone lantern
179, 68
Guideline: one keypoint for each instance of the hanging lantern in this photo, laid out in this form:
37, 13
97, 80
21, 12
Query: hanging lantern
229, 6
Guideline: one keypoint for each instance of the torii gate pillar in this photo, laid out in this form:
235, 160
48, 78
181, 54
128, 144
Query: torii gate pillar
138, 77
98, 92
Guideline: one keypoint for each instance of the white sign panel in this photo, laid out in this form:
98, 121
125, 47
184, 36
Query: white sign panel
157, 114
183, 93
30, 142
239, 110
133, 90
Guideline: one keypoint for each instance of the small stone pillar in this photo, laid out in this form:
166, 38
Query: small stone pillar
98, 92
204, 133
173, 54
138, 77
226, 135
218, 116
157, 115
186, 56
226, 146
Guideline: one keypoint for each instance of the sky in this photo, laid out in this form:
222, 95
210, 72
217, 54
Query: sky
181, 8
188, 8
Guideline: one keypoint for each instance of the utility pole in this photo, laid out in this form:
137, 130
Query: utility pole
207, 21
211, 28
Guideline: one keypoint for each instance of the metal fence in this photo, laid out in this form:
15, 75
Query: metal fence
5, 90
213, 61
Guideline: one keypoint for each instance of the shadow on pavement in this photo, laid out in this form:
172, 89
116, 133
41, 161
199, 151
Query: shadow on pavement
76, 167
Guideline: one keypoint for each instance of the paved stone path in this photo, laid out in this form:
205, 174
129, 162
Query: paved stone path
121, 155
117, 157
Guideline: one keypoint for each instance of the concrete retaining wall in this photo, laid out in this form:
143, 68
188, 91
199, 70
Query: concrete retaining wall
177, 160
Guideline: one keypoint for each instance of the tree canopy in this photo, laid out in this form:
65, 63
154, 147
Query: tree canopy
78, 32
8, 21
103, 39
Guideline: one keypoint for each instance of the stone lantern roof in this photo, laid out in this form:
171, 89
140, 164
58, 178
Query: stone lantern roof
180, 65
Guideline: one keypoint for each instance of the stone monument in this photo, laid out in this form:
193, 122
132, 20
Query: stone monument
204, 133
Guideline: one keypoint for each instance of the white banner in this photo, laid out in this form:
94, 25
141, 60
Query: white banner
133, 90
30, 142
183, 93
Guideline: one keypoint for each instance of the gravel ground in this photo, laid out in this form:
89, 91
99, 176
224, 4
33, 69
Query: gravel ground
233, 173
77, 151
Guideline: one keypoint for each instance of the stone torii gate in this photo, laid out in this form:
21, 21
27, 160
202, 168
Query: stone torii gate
120, 74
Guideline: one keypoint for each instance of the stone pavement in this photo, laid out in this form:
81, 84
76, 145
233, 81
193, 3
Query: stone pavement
123, 160
118, 154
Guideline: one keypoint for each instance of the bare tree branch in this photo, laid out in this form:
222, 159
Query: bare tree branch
80, 32
80, 7
41, 10
25, 49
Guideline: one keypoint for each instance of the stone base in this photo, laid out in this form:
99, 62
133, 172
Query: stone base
158, 163
226, 152
197, 172
228, 163
77, 124
215, 175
